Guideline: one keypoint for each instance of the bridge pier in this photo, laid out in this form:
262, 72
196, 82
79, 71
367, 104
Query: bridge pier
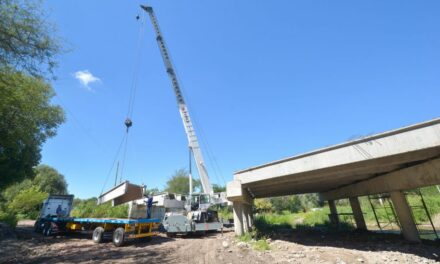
238, 218
357, 213
403, 211
334, 217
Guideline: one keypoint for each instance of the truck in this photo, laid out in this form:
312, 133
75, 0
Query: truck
55, 219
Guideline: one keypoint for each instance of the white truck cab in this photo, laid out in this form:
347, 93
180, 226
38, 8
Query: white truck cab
57, 205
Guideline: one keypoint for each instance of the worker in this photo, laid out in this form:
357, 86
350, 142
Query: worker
59, 210
149, 206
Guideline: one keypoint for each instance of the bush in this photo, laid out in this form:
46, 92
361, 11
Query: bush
8, 217
261, 245
89, 208
247, 237
225, 212
26, 204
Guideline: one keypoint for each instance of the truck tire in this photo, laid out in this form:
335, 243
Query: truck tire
119, 236
37, 226
98, 235
47, 230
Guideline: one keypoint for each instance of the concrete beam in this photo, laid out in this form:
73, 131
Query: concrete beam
122, 193
412, 139
403, 211
238, 218
236, 192
421, 175
357, 213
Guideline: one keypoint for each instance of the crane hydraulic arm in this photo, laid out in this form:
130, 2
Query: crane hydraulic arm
183, 109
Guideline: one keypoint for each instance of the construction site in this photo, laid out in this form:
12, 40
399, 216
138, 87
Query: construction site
369, 199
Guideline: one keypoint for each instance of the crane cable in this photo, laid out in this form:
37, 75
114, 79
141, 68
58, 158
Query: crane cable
134, 84
128, 121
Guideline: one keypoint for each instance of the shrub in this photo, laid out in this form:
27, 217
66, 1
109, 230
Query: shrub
89, 208
261, 245
8, 217
27, 202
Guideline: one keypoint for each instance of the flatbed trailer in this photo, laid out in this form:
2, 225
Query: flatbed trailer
118, 229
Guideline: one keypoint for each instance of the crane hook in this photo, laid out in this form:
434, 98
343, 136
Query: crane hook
128, 123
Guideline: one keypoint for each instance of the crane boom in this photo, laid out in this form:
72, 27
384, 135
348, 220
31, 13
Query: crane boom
183, 109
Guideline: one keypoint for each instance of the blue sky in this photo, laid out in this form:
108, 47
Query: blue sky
264, 80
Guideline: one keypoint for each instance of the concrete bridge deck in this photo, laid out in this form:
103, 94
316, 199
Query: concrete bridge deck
389, 162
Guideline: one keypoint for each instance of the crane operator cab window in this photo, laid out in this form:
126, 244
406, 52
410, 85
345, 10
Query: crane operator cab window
204, 199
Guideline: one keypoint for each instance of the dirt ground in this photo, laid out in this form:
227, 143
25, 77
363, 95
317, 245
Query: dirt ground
290, 247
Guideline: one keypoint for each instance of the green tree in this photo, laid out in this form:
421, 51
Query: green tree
179, 182
309, 201
89, 208
50, 180
27, 41
26, 204
27, 119
286, 203
13, 190
152, 191
263, 205
218, 188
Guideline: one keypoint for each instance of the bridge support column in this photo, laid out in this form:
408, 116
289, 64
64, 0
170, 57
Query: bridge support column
246, 225
251, 217
334, 218
238, 217
403, 211
357, 213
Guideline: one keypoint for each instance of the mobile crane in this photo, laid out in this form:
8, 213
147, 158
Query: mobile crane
197, 216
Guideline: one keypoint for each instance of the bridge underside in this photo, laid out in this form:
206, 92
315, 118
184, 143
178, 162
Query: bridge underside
389, 162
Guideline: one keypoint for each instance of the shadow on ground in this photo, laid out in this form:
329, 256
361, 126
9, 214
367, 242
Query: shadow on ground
357, 240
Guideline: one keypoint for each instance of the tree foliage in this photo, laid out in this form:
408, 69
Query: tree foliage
23, 198
26, 204
27, 119
50, 180
179, 182
263, 205
27, 42
89, 208
295, 203
218, 188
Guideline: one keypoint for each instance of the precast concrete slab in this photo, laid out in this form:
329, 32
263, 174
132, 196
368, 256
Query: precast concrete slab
122, 193
342, 165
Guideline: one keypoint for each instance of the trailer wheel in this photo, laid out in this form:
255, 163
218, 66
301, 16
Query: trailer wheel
118, 236
98, 235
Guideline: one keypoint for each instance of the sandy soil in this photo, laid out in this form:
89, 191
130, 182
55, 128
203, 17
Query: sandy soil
303, 247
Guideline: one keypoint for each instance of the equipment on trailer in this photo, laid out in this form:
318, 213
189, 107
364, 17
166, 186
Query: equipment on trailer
196, 215
119, 230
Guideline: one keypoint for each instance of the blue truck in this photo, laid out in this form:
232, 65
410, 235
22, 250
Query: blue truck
55, 219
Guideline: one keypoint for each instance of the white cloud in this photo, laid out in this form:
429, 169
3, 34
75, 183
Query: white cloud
85, 78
